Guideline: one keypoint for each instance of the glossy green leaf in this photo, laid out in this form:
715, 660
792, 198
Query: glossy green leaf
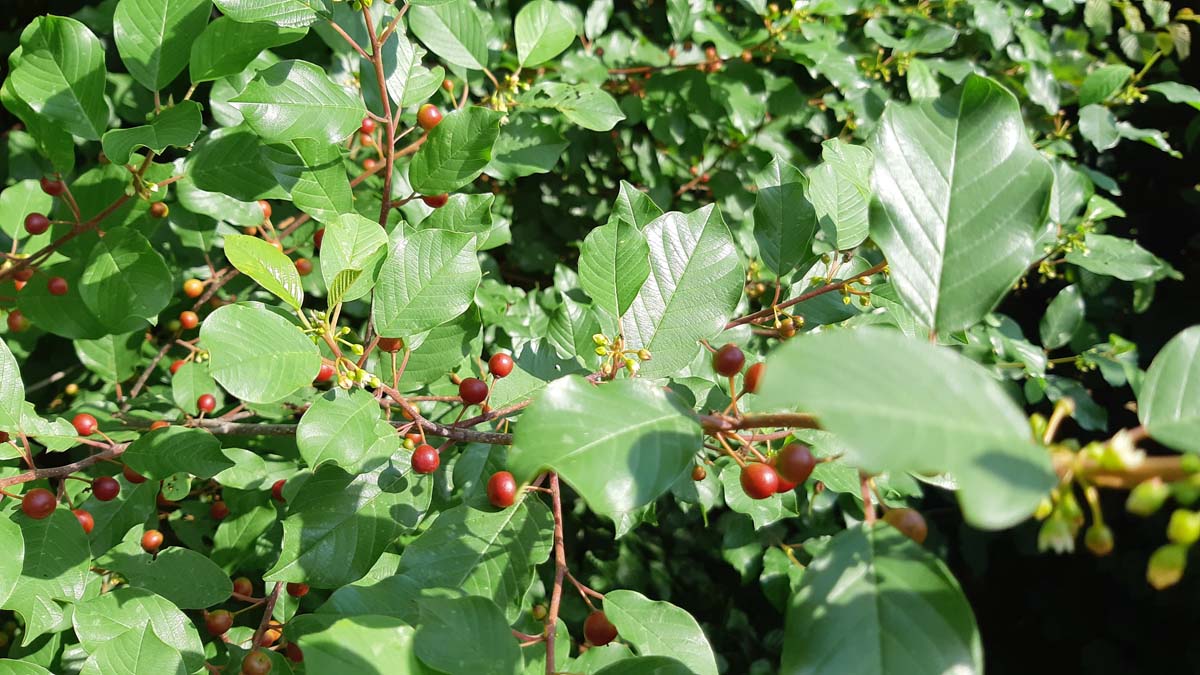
314, 174
456, 151
586, 105
1169, 401
163, 452
379, 643
466, 213
784, 220
1103, 82
19, 200
657, 628
353, 242
61, 75
1124, 259
227, 46
192, 381
525, 147
428, 278
961, 197
442, 349
154, 37
12, 389
840, 190
207, 584
1063, 318
135, 653
114, 357
125, 282
230, 161
906, 611
341, 427
107, 618
615, 468
452, 31
177, 126
134, 507
763, 512
1176, 92
232, 334
267, 265
645, 665
11, 563
408, 81
55, 570
467, 635
635, 207
542, 32
11, 667
614, 262
284, 13
296, 99
694, 285
1099, 126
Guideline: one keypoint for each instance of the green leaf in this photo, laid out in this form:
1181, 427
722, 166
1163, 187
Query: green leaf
379, 644
125, 282
135, 653
12, 389
542, 32
227, 46
682, 15
133, 507
314, 174
763, 512
536, 365
1124, 259
408, 81
176, 126
525, 147
64, 315
586, 104
961, 197
11, 667
115, 358
643, 665
784, 220
230, 161
61, 75
52, 141
19, 200
456, 151
484, 553
262, 262
614, 262
467, 635
657, 628
296, 99
232, 335
840, 190
55, 568
353, 242
452, 31
1099, 126
1169, 400
121, 611
442, 350
694, 285
341, 427
13, 560
284, 13
466, 213
635, 207
189, 383
1103, 82
428, 278
339, 524
154, 37
906, 611
207, 584
930, 409
1177, 93
615, 468
163, 452
1063, 318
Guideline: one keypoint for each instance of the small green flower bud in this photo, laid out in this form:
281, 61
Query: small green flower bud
1099, 539
1147, 497
1184, 527
644, 354
599, 339
1166, 566
538, 612
631, 365
357, 349
601, 351
1044, 509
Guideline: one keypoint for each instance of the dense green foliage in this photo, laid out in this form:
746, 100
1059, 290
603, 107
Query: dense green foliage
365, 338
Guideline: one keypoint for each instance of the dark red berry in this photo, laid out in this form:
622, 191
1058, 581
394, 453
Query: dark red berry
297, 590
293, 653
17, 323
502, 489
38, 503
368, 125
243, 586
176, 366
304, 267
85, 520
106, 488
910, 523
188, 319
500, 365
785, 485
425, 459
472, 390
218, 622
428, 116
325, 373
256, 663
391, 345
318, 237
728, 360
435, 201
598, 630
132, 476
759, 480
159, 210
795, 462
36, 223
206, 403
753, 378
85, 424
24, 274
277, 490
151, 541
53, 187
57, 286
219, 510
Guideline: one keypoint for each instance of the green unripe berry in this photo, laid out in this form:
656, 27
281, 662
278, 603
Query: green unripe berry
599, 339
1166, 566
1147, 497
1184, 527
1190, 463
1099, 539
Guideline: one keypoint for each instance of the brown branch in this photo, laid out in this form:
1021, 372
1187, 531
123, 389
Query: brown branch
266, 617
560, 571
145, 377
1169, 469
65, 470
835, 286
714, 424
389, 126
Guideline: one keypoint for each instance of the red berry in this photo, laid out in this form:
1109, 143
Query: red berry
472, 390
188, 320
218, 622
53, 187
17, 323
435, 201
193, 288
448, 85
297, 590
243, 586
219, 510
325, 373
728, 360
256, 663
85, 424
4, 437
36, 223
57, 286
425, 459
38, 503
23, 274
272, 633
293, 653
304, 267
18, 284
176, 366
151, 541
266, 208
368, 125
759, 480
428, 116
699, 473
106, 488
277, 490
391, 345
500, 365
598, 630
502, 489
369, 164
910, 523
785, 485
795, 462
318, 237
159, 210
206, 403
85, 520
753, 378
132, 476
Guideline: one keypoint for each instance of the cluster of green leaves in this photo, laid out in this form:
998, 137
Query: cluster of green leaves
658, 173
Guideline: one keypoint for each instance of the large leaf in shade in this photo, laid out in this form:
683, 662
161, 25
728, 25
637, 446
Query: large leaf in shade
428, 278
784, 220
106, 618
314, 173
1063, 318
341, 427
961, 194
456, 151
339, 524
233, 335
467, 635
230, 161
353, 242
442, 349
915, 407
492, 554
614, 467
226, 46
614, 262
65, 315
542, 32
660, 629
1169, 401
61, 75
54, 569
905, 611
286, 13
380, 644
452, 31
134, 507
694, 285
154, 37
135, 653
296, 99
1118, 257
267, 265
176, 126
12, 389
640, 665
163, 452
125, 282
207, 584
